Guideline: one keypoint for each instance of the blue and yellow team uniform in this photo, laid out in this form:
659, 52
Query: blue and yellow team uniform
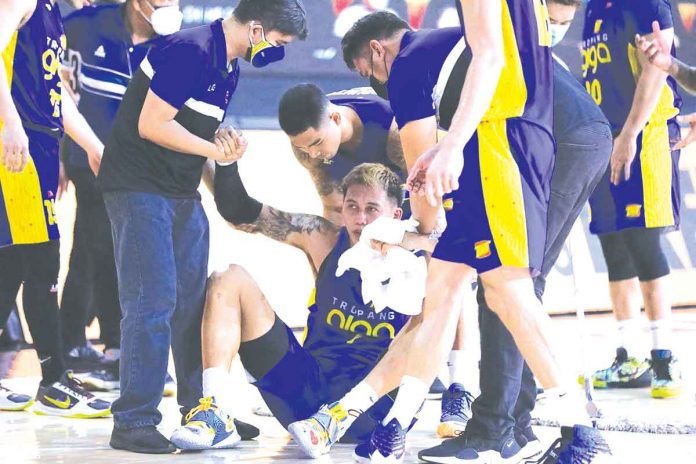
32, 60
344, 340
377, 118
498, 215
650, 198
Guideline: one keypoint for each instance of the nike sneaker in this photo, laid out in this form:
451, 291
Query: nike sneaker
666, 376
316, 435
578, 445
456, 411
625, 372
207, 427
10, 401
388, 443
69, 398
473, 450
106, 379
84, 358
529, 442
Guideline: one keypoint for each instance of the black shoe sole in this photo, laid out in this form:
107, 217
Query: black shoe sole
137, 449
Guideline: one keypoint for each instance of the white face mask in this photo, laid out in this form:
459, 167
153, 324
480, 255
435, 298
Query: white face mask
558, 31
166, 19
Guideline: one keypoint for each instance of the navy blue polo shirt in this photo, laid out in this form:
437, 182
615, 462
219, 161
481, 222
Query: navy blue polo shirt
101, 58
188, 70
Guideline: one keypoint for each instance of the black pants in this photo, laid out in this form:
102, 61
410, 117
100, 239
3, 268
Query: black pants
91, 287
36, 266
508, 389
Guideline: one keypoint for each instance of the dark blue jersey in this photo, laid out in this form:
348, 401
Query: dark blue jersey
610, 63
32, 60
102, 59
346, 336
376, 116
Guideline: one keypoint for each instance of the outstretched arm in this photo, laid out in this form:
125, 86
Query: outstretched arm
312, 234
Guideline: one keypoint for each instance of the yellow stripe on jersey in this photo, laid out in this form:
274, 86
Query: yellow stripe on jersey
22, 191
511, 94
665, 109
656, 167
502, 193
312, 301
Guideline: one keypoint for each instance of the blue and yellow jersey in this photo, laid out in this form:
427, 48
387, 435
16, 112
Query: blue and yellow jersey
610, 66
525, 88
346, 336
32, 61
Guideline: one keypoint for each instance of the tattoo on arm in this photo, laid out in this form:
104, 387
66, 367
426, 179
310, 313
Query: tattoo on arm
280, 225
685, 75
394, 151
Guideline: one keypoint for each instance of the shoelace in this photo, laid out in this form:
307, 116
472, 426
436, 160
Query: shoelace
462, 401
77, 388
388, 441
204, 404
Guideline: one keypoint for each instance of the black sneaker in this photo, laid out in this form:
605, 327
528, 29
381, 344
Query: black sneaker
387, 443
578, 445
85, 358
68, 398
468, 449
529, 442
625, 372
146, 440
436, 389
456, 411
361, 453
106, 379
666, 377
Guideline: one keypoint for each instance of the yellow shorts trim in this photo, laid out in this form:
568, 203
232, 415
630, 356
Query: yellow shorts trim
656, 167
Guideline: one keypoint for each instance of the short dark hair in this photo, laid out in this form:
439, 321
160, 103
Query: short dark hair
301, 107
575, 3
375, 175
285, 16
375, 26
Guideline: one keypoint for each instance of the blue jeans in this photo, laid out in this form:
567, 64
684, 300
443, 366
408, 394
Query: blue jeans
508, 389
161, 249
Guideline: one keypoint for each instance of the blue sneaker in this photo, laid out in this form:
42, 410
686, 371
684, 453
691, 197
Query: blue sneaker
388, 443
11, 401
456, 411
578, 445
470, 450
361, 453
207, 427
530, 443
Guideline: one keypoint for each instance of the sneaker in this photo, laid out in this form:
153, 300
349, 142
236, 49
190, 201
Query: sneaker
361, 453
624, 372
578, 445
169, 386
456, 411
207, 427
141, 440
387, 443
316, 434
666, 378
105, 380
468, 449
68, 398
436, 390
84, 358
10, 401
529, 442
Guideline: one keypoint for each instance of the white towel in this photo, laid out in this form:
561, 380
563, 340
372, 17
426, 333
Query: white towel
396, 280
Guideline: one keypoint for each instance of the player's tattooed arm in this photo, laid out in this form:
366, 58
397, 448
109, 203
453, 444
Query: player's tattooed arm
395, 152
684, 74
328, 189
312, 234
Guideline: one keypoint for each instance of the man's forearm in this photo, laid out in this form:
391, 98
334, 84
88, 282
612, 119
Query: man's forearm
174, 136
684, 74
77, 128
8, 111
647, 94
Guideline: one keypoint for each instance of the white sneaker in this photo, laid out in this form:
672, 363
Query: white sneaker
10, 401
207, 427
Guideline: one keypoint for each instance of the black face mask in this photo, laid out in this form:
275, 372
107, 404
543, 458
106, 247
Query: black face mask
379, 88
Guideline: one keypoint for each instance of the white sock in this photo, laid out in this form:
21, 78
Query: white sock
629, 336
217, 382
412, 392
456, 363
356, 402
569, 405
112, 354
661, 332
